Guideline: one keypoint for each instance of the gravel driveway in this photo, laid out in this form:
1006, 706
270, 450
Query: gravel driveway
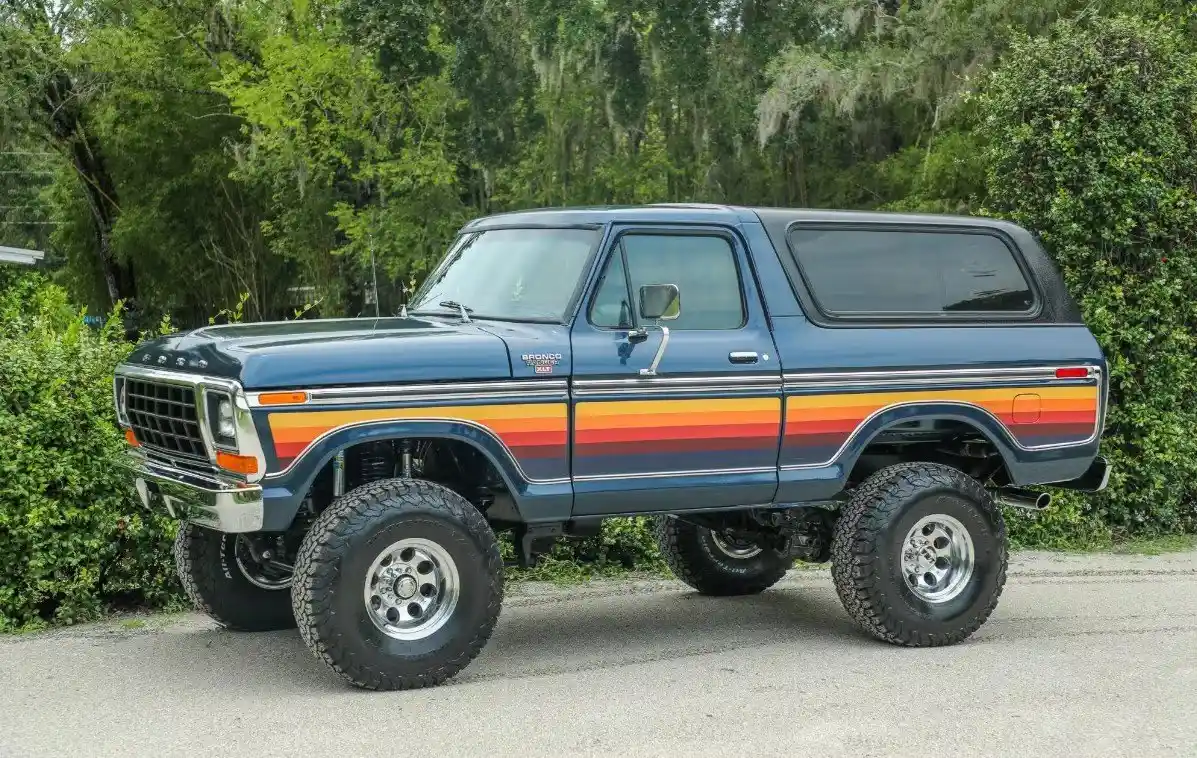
1086, 655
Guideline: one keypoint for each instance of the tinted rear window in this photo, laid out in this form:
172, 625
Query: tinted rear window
888, 272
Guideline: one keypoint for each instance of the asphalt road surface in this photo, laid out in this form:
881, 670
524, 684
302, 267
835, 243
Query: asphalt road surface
1085, 656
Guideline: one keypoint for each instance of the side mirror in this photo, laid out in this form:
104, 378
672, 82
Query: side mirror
660, 302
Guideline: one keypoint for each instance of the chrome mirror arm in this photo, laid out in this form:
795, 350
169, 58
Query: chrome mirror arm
652, 369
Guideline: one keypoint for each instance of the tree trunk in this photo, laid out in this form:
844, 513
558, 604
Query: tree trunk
62, 106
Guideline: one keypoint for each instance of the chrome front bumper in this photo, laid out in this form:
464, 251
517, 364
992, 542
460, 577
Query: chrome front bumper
205, 500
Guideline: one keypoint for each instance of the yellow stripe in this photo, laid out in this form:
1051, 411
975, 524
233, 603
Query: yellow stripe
629, 407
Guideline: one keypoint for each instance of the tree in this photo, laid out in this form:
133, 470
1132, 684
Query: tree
47, 99
1091, 142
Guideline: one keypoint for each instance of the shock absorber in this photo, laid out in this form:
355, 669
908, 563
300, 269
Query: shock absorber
406, 470
371, 462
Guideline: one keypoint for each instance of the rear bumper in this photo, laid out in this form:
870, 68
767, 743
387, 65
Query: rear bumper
201, 499
1095, 478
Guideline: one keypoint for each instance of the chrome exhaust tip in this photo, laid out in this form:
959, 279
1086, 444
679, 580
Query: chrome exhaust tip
1016, 497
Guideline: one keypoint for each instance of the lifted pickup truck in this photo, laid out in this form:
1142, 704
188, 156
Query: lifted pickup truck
769, 385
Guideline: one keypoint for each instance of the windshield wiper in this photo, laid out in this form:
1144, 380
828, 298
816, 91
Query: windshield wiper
465, 311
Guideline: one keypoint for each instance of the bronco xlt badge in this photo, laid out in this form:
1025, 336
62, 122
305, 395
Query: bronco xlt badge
543, 363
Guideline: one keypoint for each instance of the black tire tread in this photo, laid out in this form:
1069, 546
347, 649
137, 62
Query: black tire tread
197, 554
318, 565
855, 548
679, 546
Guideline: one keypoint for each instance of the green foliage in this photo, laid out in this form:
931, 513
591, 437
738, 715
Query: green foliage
1091, 142
624, 544
77, 541
212, 162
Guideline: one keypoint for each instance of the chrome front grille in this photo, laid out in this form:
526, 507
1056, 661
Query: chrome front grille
163, 416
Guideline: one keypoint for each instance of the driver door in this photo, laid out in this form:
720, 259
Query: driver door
703, 431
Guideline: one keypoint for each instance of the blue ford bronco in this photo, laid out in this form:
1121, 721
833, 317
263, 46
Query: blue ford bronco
767, 385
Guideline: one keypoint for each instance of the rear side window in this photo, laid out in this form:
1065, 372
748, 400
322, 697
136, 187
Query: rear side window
888, 272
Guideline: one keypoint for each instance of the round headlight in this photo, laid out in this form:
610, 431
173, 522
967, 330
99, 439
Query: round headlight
225, 425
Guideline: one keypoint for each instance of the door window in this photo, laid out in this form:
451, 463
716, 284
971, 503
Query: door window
702, 266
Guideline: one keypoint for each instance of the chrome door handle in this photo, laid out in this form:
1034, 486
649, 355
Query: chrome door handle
743, 357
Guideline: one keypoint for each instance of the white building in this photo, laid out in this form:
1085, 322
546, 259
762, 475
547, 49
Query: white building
20, 256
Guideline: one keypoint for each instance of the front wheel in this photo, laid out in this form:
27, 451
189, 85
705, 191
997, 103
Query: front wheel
919, 555
398, 585
718, 563
231, 578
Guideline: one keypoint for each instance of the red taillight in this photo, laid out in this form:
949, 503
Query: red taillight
1079, 372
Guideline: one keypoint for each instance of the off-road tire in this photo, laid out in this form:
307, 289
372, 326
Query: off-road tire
337, 553
692, 556
866, 554
208, 569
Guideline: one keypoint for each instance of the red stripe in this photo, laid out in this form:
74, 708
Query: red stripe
1077, 431
1067, 417
831, 426
290, 450
521, 439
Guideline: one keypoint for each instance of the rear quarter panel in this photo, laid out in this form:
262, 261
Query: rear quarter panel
846, 382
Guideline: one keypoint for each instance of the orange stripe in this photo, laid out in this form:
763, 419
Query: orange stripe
518, 425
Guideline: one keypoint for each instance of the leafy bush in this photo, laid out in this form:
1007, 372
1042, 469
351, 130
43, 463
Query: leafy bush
1092, 142
75, 540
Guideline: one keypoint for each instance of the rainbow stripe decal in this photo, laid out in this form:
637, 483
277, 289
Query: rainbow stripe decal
817, 426
535, 433
644, 436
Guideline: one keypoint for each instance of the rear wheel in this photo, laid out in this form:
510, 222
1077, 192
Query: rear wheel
919, 555
398, 584
234, 579
717, 562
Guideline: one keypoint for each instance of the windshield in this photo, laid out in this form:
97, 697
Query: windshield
510, 274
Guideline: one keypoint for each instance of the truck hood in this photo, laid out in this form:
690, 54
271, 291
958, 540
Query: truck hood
332, 352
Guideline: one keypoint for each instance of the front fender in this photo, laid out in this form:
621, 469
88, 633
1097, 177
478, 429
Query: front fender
538, 497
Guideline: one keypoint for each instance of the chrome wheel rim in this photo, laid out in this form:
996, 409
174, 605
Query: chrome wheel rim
938, 558
734, 548
264, 577
411, 589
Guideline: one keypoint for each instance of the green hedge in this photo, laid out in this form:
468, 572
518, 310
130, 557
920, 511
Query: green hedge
73, 540
1092, 142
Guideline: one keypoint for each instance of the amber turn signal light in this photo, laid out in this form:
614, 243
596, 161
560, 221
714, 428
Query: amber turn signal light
131, 438
242, 464
282, 398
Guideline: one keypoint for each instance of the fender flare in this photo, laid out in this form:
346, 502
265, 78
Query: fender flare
289, 486
1013, 455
